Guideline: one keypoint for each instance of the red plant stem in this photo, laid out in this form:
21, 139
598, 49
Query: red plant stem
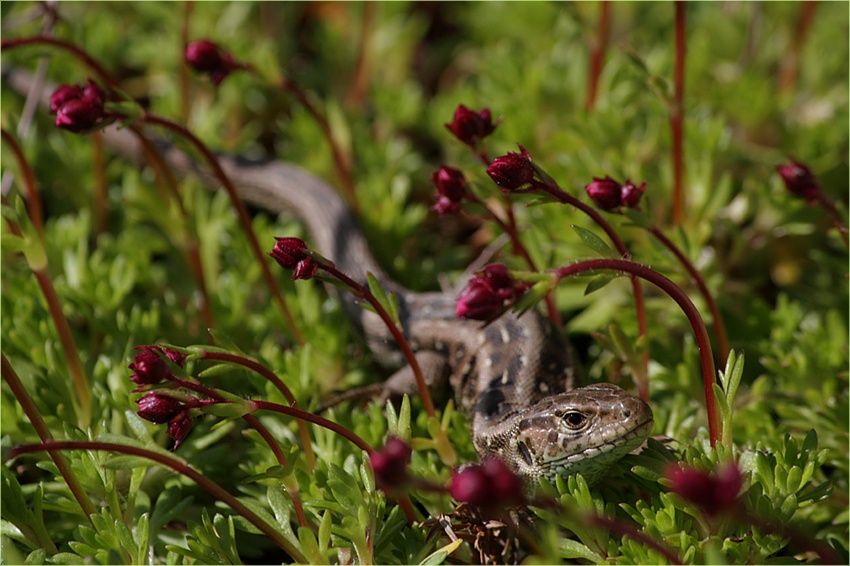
278, 383
403, 500
110, 82
640, 307
316, 420
687, 306
360, 78
33, 199
719, 327
790, 63
677, 126
101, 72
518, 248
183, 68
273, 444
281, 459
828, 555
597, 56
341, 161
43, 432
82, 401
241, 212
624, 529
838, 221
178, 466
362, 292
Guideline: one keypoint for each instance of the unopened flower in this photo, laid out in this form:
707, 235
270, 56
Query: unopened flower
159, 408
206, 57
712, 493
292, 253
511, 171
491, 484
469, 126
451, 188
605, 193
63, 94
799, 181
390, 464
179, 426
150, 368
488, 293
630, 194
79, 108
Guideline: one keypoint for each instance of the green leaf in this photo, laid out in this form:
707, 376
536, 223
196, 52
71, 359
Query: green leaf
595, 242
438, 556
597, 282
388, 302
572, 549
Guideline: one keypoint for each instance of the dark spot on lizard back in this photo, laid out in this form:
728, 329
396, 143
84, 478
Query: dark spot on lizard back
489, 402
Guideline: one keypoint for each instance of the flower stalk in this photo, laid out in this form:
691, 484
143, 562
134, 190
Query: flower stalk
178, 466
550, 187
41, 429
677, 117
277, 382
687, 306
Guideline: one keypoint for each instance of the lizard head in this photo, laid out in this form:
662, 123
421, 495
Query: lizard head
581, 431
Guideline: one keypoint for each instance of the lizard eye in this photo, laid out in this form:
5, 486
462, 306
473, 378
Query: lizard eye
574, 419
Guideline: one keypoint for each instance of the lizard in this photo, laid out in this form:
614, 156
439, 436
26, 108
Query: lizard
513, 378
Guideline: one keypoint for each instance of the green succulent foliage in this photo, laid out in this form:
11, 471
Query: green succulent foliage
776, 267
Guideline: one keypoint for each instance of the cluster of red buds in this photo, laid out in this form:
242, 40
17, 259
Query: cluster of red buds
800, 181
469, 126
451, 189
612, 195
293, 253
512, 171
208, 58
713, 494
489, 293
490, 485
163, 406
79, 108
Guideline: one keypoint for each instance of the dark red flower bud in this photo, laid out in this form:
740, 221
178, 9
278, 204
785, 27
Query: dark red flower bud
469, 126
206, 57
471, 486
390, 463
93, 94
630, 194
511, 171
605, 193
507, 486
306, 269
158, 408
63, 94
445, 205
713, 494
451, 188
291, 253
487, 294
78, 108
150, 368
450, 182
799, 181
179, 427
491, 484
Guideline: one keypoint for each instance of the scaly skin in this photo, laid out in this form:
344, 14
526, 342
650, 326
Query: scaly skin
513, 378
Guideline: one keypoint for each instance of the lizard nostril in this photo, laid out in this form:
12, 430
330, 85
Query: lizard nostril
627, 413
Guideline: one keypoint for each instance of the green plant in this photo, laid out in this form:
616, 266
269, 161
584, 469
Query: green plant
129, 262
